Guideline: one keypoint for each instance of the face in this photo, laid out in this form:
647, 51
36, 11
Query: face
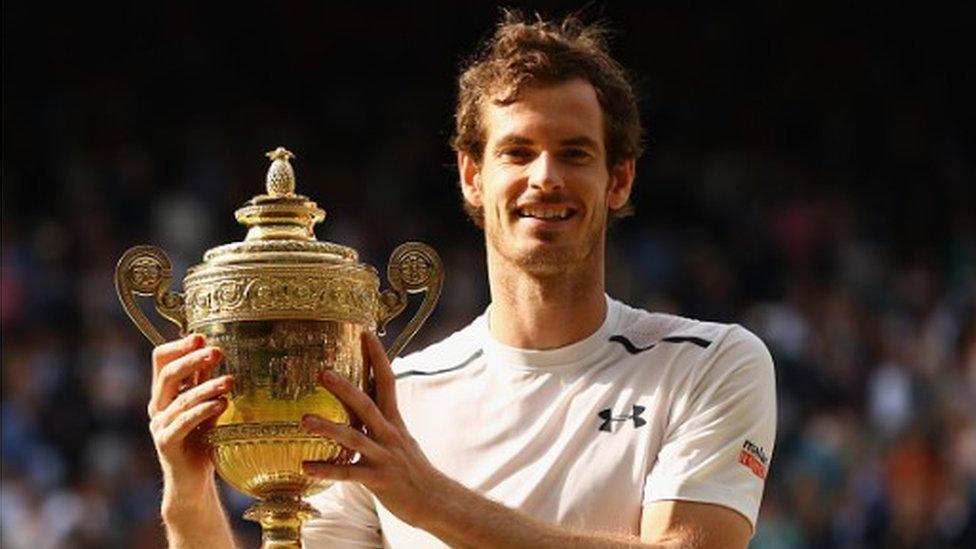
543, 183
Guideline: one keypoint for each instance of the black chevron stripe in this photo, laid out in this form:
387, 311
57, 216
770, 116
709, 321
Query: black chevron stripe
633, 349
703, 343
469, 360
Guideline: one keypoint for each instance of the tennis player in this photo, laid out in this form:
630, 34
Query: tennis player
560, 417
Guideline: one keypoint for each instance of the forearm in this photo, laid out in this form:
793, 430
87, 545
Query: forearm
196, 520
463, 518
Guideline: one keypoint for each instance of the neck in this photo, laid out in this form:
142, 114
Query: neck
532, 311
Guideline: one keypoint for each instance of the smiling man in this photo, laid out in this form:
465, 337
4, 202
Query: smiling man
560, 417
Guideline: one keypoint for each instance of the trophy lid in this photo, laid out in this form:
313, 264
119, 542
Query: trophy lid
281, 224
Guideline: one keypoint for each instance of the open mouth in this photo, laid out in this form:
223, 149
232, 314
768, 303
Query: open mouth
545, 213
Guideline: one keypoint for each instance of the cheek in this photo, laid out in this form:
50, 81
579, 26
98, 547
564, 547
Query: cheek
595, 198
500, 194
493, 206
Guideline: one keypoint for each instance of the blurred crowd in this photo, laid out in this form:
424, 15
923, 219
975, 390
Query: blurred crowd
814, 187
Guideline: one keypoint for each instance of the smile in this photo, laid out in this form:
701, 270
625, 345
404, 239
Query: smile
548, 213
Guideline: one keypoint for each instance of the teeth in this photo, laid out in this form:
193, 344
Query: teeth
545, 213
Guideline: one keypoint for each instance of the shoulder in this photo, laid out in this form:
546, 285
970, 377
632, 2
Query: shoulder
643, 328
452, 352
710, 344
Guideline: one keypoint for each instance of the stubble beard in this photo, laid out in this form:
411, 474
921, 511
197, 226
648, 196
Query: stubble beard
550, 261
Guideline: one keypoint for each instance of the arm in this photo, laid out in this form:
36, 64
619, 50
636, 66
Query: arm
191, 507
395, 470
200, 522
692, 524
466, 519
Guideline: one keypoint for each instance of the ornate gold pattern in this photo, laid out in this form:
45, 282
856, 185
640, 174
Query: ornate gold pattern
413, 267
146, 271
260, 432
335, 292
145, 274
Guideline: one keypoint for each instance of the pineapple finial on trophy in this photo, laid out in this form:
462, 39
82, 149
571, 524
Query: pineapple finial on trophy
281, 214
280, 180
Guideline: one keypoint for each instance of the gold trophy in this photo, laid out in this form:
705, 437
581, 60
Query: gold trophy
282, 307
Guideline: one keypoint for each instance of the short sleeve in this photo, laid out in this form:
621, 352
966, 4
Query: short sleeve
348, 519
720, 435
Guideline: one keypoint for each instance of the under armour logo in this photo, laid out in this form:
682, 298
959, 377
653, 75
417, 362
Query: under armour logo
608, 418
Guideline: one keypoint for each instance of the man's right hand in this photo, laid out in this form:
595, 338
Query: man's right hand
185, 396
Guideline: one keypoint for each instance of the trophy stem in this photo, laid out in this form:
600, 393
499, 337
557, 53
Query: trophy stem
281, 520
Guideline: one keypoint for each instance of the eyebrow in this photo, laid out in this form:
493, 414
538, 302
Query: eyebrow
579, 141
511, 140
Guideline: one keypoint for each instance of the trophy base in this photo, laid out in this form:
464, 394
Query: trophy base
281, 519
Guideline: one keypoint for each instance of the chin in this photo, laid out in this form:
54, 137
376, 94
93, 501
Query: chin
548, 259
545, 253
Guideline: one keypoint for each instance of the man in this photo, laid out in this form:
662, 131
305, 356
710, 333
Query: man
560, 417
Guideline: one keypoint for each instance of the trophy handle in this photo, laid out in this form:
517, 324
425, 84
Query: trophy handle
146, 271
414, 267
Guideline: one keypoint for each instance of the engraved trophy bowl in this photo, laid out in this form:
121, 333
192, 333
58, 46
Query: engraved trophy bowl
282, 306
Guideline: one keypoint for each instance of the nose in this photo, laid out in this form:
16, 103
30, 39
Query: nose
544, 173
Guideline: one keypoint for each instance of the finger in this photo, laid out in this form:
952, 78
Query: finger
343, 434
208, 390
179, 373
172, 375
331, 471
360, 404
206, 373
384, 380
183, 424
171, 350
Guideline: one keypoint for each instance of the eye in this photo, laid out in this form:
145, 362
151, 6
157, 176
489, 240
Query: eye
518, 154
576, 156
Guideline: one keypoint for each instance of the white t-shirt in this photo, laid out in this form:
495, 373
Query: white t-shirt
650, 407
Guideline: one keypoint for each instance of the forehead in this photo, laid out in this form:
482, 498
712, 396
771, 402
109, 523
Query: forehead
555, 111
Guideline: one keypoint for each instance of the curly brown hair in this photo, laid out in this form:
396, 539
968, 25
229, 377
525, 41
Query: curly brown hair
525, 51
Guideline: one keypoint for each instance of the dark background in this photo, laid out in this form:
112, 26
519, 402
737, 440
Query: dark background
809, 174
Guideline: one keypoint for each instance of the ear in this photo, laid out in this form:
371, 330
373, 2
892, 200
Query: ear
470, 174
621, 183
